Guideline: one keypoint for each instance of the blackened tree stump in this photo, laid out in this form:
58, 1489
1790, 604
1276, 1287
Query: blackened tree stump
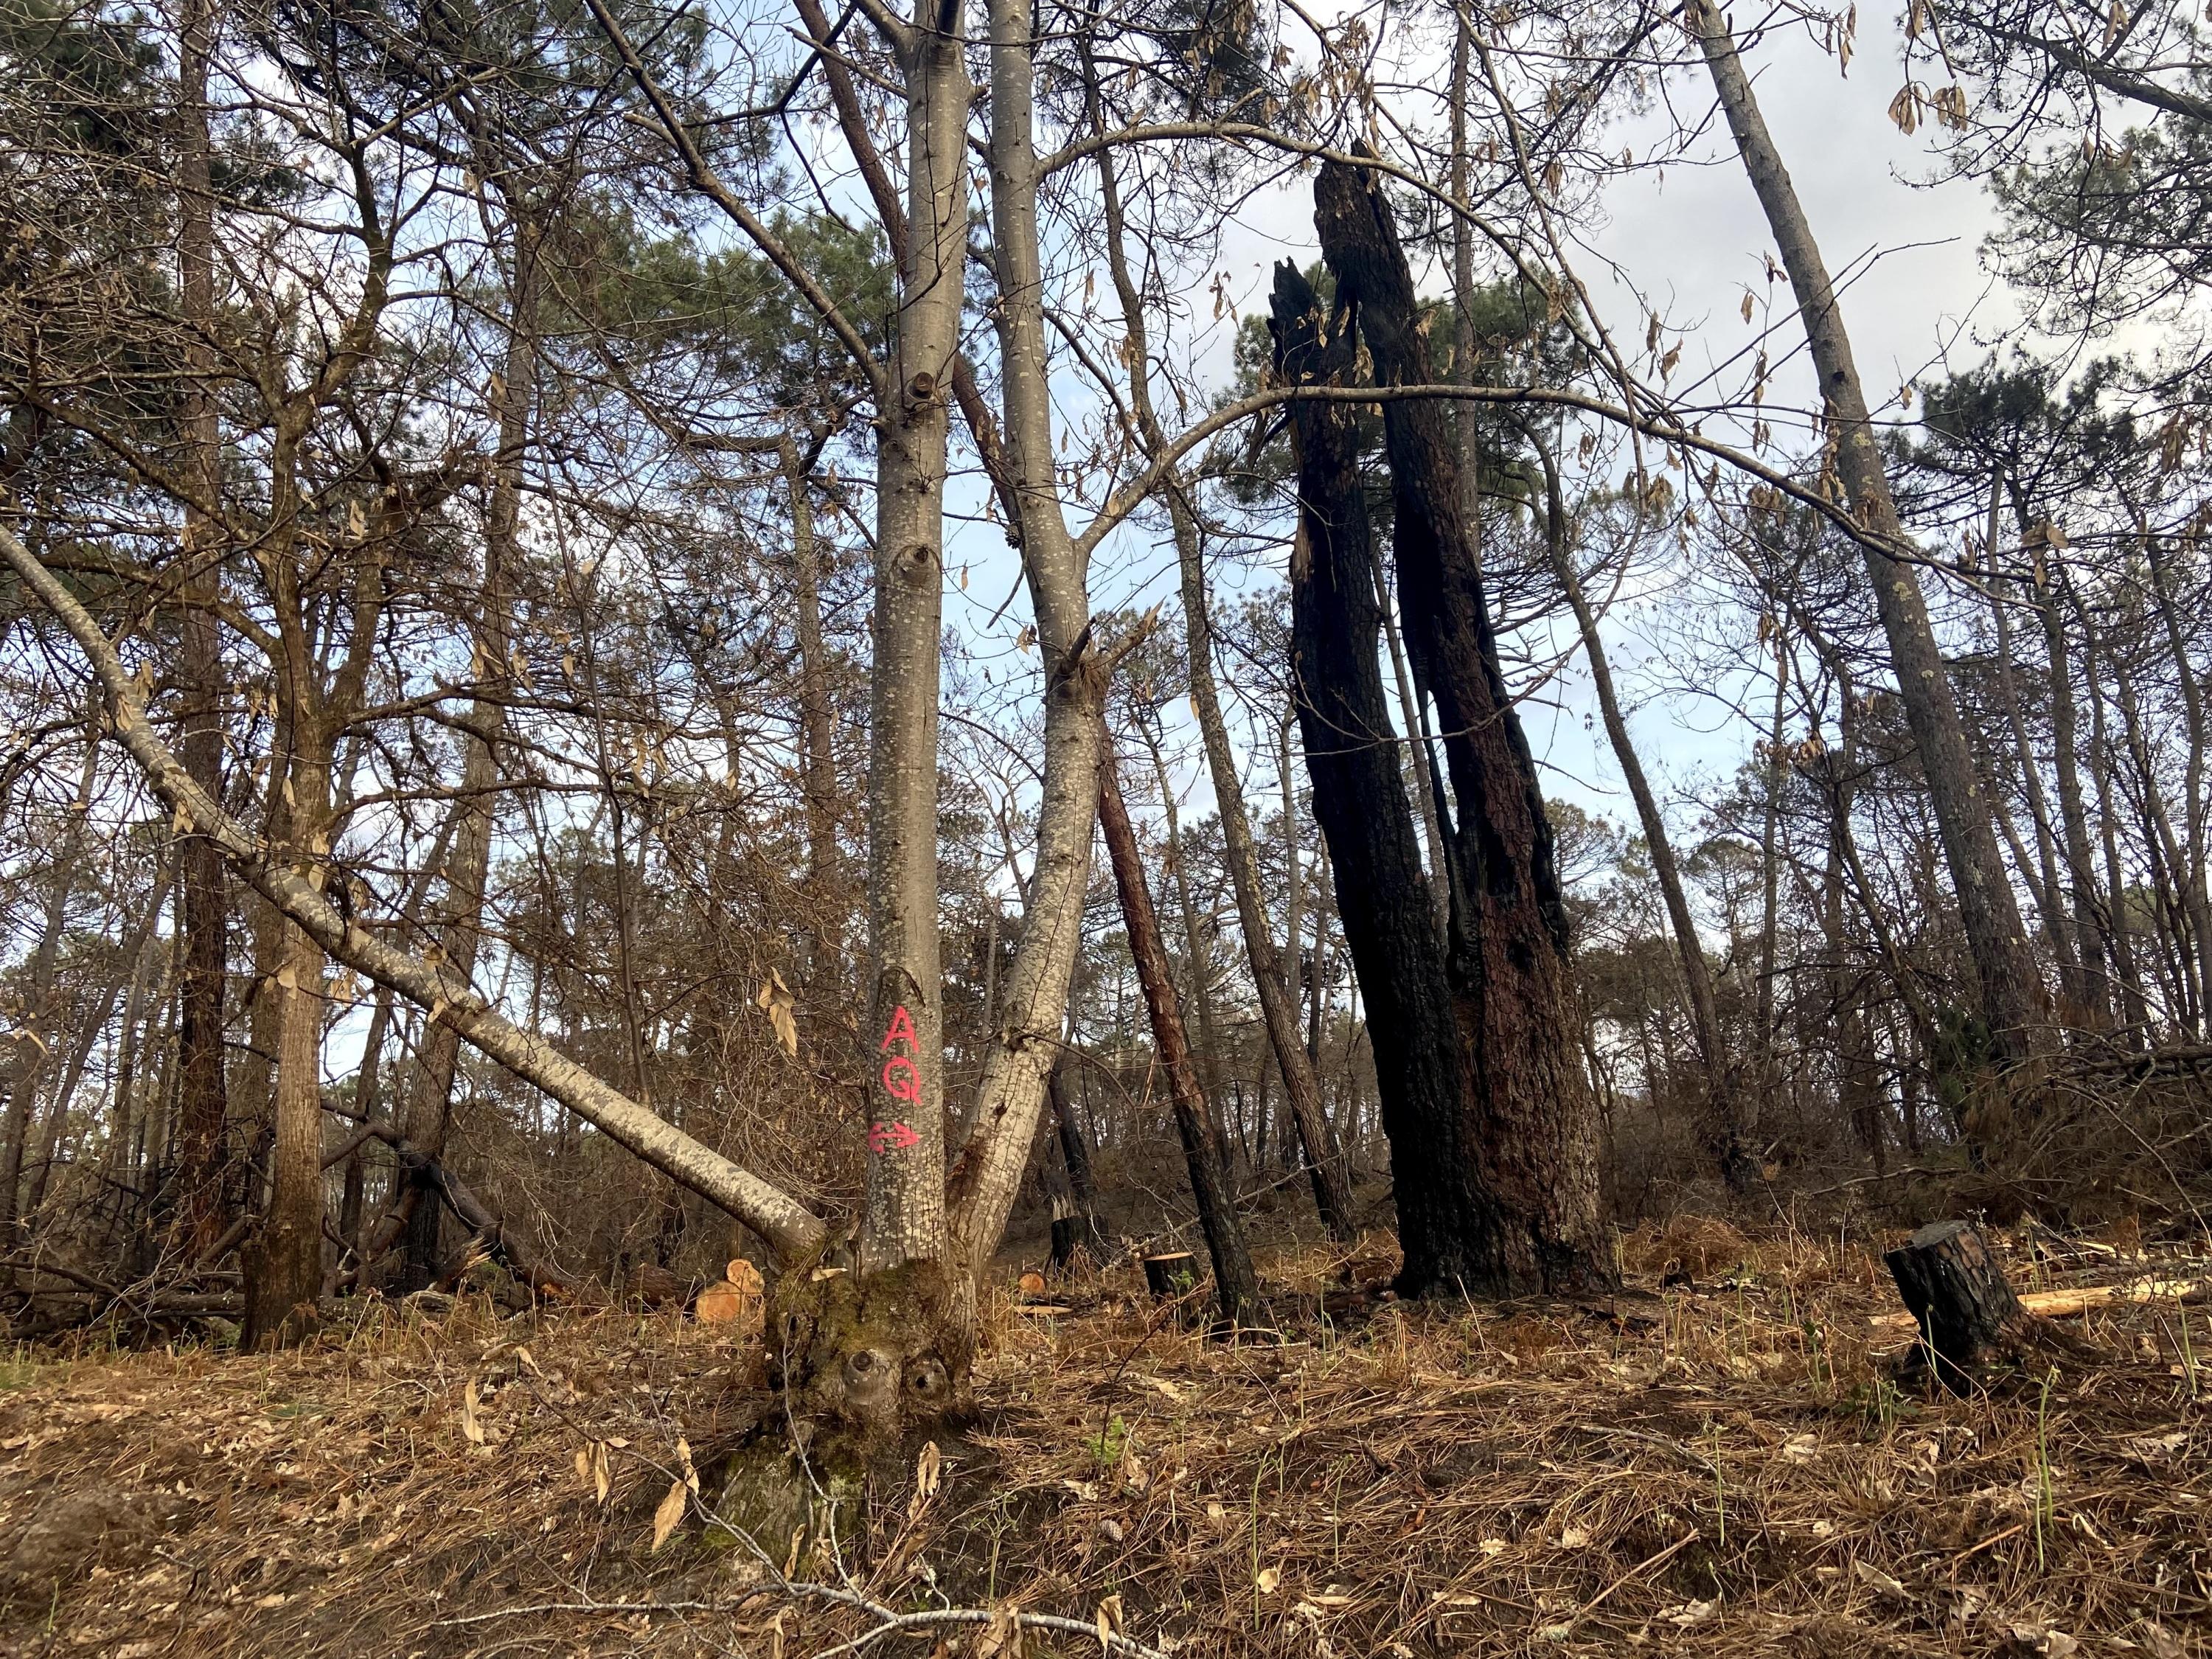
1171, 1275
1968, 1316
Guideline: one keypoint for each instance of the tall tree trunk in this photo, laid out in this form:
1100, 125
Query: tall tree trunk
476, 814
1729, 1133
1537, 1133
2011, 993
2192, 873
1235, 1286
1448, 1225
1198, 957
1277, 1008
200, 1183
1009, 1098
901, 1037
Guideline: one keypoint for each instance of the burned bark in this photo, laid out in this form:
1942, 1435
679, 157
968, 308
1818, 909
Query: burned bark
1532, 1115
1447, 1222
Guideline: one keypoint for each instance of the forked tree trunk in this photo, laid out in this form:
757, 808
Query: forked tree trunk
1448, 1225
1033, 997
1533, 1117
1235, 1286
2011, 991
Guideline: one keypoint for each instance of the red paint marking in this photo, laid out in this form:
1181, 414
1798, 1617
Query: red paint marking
902, 1031
888, 1137
900, 1080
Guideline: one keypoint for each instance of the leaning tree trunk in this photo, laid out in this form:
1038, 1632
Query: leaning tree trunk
2011, 988
1449, 1226
1728, 1127
1235, 1286
1534, 1120
1080, 1228
32, 1037
1278, 1012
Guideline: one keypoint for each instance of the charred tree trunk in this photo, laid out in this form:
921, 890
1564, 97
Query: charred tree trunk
1969, 1318
1235, 1286
1447, 1222
1534, 1124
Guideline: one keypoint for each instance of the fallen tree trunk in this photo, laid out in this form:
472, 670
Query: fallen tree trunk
789, 1228
431, 1175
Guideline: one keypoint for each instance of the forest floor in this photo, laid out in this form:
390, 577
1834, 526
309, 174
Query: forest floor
1719, 1466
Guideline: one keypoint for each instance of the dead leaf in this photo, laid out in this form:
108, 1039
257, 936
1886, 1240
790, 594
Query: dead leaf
472, 1425
671, 1512
928, 1470
1002, 1637
2042, 1639
776, 1001
1880, 1581
1110, 1622
1269, 1579
602, 1480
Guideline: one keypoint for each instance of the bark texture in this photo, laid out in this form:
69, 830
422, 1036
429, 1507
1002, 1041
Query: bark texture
1533, 1116
1447, 1222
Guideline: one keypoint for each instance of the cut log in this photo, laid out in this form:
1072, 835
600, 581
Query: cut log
1171, 1275
1959, 1296
2081, 1298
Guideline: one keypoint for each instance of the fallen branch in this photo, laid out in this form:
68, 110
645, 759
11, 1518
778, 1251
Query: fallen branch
274, 872
2060, 1304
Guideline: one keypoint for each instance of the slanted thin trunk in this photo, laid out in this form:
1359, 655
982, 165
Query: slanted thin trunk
818, 757
1729, 1134
1278, 1006
34, 1038
2011, 992
1080, 1228
1448, 1225
200, 1182
2049, 894
1534, 1127
2095, 989
1235, 1286
92, 1025
1010, 1097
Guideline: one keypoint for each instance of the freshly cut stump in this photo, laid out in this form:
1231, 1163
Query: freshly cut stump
1967, 1312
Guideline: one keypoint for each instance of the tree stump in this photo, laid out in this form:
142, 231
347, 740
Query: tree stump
1967, 1312
1171, 1275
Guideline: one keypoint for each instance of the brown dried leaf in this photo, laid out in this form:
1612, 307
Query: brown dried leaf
669, 1514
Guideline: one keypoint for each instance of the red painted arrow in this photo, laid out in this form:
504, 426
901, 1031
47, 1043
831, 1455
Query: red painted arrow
887, 1137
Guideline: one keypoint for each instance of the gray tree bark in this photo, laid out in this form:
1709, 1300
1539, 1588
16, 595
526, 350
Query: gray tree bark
2011, 992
